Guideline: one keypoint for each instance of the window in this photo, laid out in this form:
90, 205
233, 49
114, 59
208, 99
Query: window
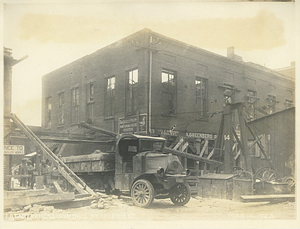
254, 149
288, 104
168, 79
201, 96
90, 100
271, 104
61, 104
251, 100
90, 92
75, 105
228, 94
131, 92
110, 97
48, 112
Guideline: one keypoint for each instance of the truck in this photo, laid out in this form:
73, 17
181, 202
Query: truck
139, 167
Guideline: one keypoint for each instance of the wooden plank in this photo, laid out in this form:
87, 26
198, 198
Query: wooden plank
178, 144
61, 150
23, 193
191, 156
237, 155
211, 153
184, 146
58, 188
264, 198
204, 147
26, 200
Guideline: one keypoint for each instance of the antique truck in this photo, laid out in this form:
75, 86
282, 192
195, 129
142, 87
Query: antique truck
139, 167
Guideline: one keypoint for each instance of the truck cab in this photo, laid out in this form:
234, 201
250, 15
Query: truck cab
146, 172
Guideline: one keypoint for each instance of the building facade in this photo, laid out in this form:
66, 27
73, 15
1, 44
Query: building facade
150, 84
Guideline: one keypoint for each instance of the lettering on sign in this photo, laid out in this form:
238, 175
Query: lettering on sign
226, 137
13, 150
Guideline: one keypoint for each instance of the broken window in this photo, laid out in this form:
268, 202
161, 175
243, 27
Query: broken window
271, 104
168, 79
90, 92
61, 104
90, 100
110, 97
48, 112
75, 105
131, 92
201, 97
251, 101
288, 104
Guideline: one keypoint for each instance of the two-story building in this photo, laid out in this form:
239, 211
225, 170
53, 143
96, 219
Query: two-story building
148, 83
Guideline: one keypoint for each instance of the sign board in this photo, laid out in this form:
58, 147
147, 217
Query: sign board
175, 133
14, 150
130, 124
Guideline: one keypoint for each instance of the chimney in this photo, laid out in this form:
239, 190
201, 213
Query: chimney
230, 52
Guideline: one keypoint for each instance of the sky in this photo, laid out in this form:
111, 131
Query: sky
53, 35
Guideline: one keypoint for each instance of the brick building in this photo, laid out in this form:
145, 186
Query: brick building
174, 89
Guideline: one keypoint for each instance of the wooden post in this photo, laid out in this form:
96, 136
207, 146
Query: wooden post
138, 122
197, 168
227, 135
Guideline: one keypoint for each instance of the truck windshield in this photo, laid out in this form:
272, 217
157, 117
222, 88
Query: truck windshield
150, 145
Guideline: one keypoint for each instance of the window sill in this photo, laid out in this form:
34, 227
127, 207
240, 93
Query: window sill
109, 118
168, 115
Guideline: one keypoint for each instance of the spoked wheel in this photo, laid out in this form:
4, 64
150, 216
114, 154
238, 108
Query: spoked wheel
266, 174
142, 193
291, 182
180, 194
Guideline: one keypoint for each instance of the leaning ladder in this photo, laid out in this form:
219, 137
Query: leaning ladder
64, 170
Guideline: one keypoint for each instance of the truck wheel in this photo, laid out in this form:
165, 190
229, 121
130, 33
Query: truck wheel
142, 193
180, 194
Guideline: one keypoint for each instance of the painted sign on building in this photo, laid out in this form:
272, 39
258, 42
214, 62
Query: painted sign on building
133, 124
14, 150
187, 134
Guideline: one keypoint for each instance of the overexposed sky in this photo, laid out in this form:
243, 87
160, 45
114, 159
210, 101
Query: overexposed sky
53, 35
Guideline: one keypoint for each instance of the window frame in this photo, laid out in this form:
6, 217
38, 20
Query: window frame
110, 94
75, 103
201, 99
169, 91
131, 106
61, 105
48, 121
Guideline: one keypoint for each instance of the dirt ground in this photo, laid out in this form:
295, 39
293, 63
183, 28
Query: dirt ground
113, 209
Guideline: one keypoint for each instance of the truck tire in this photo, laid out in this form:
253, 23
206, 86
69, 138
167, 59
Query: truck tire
180, 194
142, 193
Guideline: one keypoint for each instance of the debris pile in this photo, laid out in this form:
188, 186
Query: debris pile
106, 202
